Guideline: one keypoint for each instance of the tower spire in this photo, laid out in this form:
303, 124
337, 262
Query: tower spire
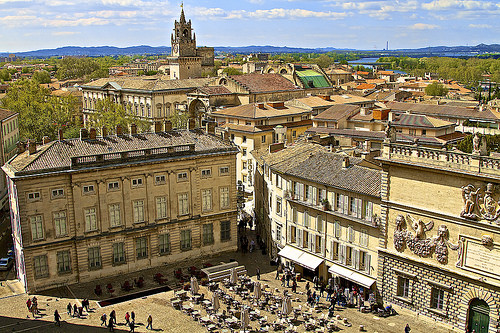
183, 18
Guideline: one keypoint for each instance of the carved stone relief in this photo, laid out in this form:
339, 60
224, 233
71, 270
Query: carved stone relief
479, 205
418, 243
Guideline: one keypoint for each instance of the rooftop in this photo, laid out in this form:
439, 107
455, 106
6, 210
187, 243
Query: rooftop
4, 114
259, 83
253, 111
315, 163
349, 99
150, 83
337, 112
444, 110
75, 153
418, 120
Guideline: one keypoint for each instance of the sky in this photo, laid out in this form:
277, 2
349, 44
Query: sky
27, 25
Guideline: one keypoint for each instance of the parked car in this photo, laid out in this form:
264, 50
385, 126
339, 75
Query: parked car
6, 264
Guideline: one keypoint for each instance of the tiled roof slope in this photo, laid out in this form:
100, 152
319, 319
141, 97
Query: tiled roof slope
4, 114
417, 120
58, 154
148, 83
315, 163
257, 83
214, 90
252, 111
442, 110
336, 112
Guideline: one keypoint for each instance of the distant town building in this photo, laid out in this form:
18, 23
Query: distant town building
9, 137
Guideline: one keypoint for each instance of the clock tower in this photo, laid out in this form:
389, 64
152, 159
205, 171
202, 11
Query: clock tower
183, 38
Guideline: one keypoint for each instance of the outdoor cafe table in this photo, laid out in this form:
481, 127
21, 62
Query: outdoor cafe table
206, 303
231, 321
205, 320
176, 303
195, 314
181, 293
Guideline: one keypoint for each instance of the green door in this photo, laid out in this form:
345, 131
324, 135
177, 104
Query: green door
479, 316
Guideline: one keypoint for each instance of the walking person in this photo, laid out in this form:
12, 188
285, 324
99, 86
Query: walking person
57, 318
110, 324
103, 320
315, 281
407, 328
127, 318
75, 310
112, 316
258, 273
150, 323
132, 326
132, 315
69, 308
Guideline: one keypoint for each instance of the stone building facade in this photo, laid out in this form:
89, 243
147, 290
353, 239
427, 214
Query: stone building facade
9, 137
440, 252
93, 207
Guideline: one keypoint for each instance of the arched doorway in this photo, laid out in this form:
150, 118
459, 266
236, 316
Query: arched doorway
197, 111
479, 316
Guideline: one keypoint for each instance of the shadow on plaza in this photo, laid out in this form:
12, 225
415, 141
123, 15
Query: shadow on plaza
9, 324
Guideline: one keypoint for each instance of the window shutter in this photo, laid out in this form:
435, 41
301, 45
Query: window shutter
368, 258
314, 195
360, 206
369, 210
346, 205
299, 237
341, 208
355, 258
301, 192
337, 229
289, 234
342, 254
312, 243
331, 250
289, 185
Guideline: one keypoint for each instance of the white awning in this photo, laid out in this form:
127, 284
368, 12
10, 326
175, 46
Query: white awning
300, 257
351, 275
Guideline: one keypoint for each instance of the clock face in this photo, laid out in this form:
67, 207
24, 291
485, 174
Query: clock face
176, 48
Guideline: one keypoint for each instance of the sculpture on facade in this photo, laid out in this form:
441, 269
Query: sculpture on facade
418, 243
480, 206
469, 195
390, 133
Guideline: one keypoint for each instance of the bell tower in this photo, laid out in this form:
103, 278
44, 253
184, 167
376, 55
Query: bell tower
183, 39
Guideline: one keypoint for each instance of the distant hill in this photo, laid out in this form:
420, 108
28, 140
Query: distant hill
162, 50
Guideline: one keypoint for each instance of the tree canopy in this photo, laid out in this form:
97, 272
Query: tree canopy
436, 89
41, 76
86, 68
40, 113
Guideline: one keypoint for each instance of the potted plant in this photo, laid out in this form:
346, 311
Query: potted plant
325, 203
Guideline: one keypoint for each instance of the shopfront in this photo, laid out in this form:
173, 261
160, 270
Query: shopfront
307, 264
348, 278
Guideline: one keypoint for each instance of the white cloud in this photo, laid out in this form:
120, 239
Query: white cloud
266, 14
65, 33
479, 26
73, 23
423, 26
458, 4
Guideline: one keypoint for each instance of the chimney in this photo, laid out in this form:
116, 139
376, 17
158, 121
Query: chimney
104, 131
31, 147
84, 134
119, 130
45, 140
168, 125
325, 97
191, 123
133, 129
93, 133
21, 147
362, 111
210, 127
345, 162
60, 134
157, 127
390, 116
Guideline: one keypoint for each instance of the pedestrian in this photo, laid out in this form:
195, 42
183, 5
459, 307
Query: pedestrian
69, 308
288, 275
321, 290
85, 304
314, 296
103, 320
258, 273
361, 302
408, 329
283, 280
294, 286
75, 310
307, 286
110, 324
80, 312
127, 318
150, 323
132, 326
57, 318
112, 316
132, 315
252, 245
28, 304
315, 281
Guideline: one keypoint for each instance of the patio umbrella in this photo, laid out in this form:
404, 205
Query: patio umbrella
245, 319
215, 302
257, 292
234, 276
194, 285
286, 307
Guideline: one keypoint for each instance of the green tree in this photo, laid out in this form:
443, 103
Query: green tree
110, 114
436, 89
324, 61
232, 71
5, 75
40, 113
179, 119
86, 68
41, 77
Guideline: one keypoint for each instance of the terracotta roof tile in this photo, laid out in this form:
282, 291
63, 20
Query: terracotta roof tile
256, 83
337, 112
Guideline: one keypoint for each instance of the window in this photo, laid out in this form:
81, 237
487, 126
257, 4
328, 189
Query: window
183, 206
335, 251
294, 215
138, 207
263, 139
186, 240
403, 287
206, 173
88, 189
338, 202
363, 237
223, 171
90, 219
278, 232
34, 196
319, 223
350, 234
412, 131
94, 257
182, 176
293, 234
352, 206
318, 244
244, 138
208, 234
225, 230
141, 247
161, 208
437, 298
424, 132
244, 152
224, 197
278, 206
63, 262
294, 133
36, 227
60, 223
364, 261
41, 266
306, 219
160, 179
114, 215
348, 256
206, 200
118, 253
305, 239
113, 186
164, 244
57, 193
368, 210
136, 182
